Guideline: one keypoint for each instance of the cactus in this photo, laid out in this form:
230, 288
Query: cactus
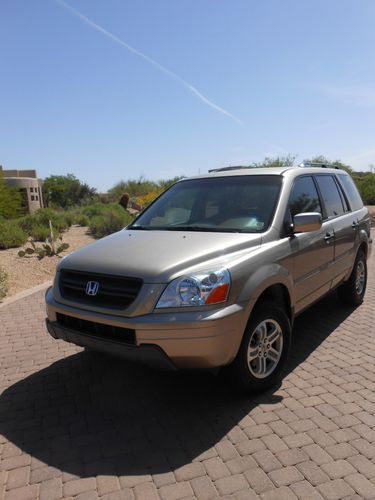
48, 249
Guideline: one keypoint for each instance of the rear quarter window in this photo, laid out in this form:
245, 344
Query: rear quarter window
351, 191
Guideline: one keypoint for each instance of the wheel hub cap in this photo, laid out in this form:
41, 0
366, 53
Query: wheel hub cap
360, 277
265, 348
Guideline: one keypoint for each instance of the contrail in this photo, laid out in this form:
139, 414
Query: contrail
154, 63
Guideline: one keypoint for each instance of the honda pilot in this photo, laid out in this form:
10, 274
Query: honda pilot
215, 270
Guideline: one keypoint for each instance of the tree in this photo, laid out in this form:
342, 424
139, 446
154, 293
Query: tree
356, 176
278, 161
335, 163
65, 191
10, 200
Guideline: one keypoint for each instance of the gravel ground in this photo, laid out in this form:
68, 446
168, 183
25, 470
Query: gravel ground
24, 273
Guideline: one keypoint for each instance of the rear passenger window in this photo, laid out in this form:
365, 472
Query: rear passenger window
330, 195
351, 191
304, 197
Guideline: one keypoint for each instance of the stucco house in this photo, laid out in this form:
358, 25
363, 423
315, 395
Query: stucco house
28, 184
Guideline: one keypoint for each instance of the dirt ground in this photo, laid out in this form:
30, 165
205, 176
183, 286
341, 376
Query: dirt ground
27, 272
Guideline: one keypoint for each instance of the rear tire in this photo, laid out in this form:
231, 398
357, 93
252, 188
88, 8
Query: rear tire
264, 349
351, 293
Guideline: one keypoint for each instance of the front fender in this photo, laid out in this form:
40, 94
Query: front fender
263, 278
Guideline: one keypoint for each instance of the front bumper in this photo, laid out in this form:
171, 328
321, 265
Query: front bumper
169, 340
147, 354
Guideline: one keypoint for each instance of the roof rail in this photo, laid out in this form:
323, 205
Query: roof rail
317, 164
224, 169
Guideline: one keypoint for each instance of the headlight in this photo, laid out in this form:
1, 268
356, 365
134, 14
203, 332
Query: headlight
197, 290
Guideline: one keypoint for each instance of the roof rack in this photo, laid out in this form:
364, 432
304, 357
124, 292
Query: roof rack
224, 169
317, 164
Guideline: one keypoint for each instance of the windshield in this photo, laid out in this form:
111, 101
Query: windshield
226, 204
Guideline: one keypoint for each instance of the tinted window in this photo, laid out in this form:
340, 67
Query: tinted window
351, 191
330, 195
228, 204
304, 197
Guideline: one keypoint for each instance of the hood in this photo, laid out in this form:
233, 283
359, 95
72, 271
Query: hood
158, 256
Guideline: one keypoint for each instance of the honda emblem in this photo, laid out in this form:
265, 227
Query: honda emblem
92, 288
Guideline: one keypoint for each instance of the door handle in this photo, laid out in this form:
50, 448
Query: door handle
355, 225
328, 237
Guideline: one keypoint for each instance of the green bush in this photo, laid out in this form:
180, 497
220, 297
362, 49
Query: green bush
69, 218
99, 209
3, 284
39, 233
60, 220
82, 220
11, 235
108, 223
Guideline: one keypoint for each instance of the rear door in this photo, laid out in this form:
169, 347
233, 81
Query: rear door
338, 212
313, 252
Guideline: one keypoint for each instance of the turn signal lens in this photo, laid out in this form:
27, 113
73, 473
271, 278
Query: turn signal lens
219, 294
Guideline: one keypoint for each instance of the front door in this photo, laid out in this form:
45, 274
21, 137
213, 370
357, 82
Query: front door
313, 252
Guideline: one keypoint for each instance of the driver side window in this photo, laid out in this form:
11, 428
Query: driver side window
304, 197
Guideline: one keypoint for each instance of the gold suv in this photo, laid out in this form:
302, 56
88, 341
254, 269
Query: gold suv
215, 270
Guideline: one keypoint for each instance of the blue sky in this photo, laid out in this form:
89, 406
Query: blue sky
209, 83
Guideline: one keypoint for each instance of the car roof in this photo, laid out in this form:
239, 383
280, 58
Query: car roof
293, 171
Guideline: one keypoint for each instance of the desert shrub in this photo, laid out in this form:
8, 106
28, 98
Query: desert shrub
98, 209
101, 209
11, 235
69, 217
39, 233
82, 220
366, 186
60, 220
145, 200
109, 222
3, 284
134, 187
139, 187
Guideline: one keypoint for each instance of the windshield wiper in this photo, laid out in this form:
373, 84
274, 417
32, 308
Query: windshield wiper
203, 229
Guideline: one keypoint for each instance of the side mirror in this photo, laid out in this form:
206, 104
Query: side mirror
307, 222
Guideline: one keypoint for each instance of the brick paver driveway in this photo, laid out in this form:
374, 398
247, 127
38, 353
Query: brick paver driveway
85, 426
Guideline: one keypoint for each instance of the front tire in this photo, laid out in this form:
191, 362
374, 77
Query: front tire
352, 292
264, 349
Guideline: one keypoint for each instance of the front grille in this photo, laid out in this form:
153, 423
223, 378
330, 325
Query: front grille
114, 292
105, 332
